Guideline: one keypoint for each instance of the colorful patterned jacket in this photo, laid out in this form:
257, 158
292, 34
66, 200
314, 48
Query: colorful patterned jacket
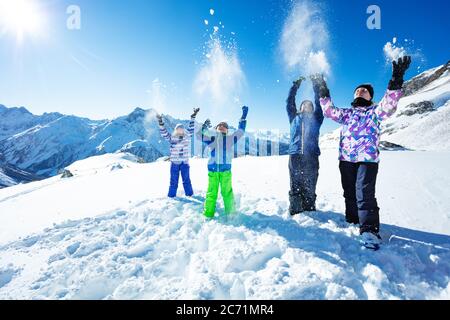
360, 133
180, 147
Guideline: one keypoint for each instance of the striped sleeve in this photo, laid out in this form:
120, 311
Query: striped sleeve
164, 133
191, 128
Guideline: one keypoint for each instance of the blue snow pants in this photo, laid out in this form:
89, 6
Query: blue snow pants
175, 170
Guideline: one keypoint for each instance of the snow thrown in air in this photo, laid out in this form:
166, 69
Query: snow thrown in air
305, 39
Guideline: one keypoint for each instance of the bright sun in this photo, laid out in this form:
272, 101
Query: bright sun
21, 17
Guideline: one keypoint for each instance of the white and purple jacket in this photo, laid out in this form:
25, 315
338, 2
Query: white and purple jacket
180, 147
361, 127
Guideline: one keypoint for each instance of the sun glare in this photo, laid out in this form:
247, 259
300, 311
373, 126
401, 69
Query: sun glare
20, 17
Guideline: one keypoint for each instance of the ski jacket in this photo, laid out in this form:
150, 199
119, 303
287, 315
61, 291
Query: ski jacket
305, 127
221, 147
361, 127
180, 146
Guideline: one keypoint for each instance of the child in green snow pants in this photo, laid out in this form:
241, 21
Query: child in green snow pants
220, 146
222, 180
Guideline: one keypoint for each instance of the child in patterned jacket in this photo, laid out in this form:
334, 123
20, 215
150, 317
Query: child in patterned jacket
359, 148
180, 152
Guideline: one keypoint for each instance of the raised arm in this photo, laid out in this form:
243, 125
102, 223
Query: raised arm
329, 110
318, 112
242, 125
388, 105
162, 129
334, 113
203, 135
291, 106
191, 128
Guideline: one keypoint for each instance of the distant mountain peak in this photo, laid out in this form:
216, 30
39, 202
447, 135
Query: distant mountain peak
137, 114
15, 109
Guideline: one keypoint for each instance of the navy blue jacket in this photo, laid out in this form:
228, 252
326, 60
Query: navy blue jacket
305, 127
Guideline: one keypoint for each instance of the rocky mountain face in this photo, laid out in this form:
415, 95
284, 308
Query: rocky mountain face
417, 83
10, 176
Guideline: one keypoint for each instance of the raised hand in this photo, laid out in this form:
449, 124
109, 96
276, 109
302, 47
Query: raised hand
196, 111
159, 117
320, 85
207, 124
244, 112
399, 69
324, 92
298, 82
317, 79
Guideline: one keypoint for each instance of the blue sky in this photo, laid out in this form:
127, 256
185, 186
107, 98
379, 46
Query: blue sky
107, 68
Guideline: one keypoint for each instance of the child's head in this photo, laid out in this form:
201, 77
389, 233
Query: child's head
222, 127
364, 91
307, 107
179, 130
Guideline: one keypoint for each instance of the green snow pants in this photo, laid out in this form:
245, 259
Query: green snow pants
216, 180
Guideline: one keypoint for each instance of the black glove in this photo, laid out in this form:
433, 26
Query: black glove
160, 119
206, 125
324, 92
298, 82
320, 85
196, 111
317, 80
399, 69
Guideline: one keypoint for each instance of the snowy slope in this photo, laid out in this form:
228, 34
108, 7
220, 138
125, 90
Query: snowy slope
423, 118
110, 233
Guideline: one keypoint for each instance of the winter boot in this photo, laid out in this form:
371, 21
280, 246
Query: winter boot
296, 204
352, 220
371, 240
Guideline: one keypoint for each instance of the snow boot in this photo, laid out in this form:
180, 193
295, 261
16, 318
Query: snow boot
371, 240
296, 204
352, 220
309, 205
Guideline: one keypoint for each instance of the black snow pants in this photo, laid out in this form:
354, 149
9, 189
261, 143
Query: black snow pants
304, 173
358, 182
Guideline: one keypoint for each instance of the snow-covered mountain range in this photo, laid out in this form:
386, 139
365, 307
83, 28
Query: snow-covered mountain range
42, 145
422, 121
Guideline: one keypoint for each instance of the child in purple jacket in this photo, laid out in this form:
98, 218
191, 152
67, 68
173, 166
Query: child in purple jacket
180, 152
359, 148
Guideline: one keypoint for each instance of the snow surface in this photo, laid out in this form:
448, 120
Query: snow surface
429, 131
110, 233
